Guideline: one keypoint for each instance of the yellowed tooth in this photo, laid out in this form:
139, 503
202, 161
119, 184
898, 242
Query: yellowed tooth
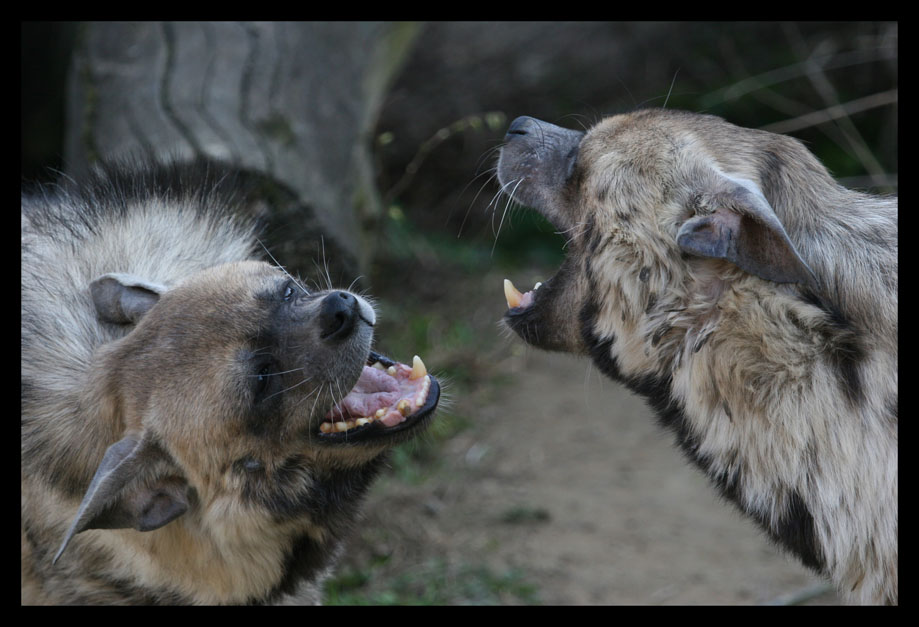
380, 413
341, 426
512, 294
326, 427
378, 366
391, 370
418, 369
404, 407
360, 422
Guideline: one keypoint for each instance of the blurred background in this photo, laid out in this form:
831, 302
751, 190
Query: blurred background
374, 146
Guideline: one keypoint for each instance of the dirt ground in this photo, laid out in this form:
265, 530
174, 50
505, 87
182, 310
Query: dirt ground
561, 489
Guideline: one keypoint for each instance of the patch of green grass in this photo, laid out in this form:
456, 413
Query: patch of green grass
431, 583
523, 238
523, 515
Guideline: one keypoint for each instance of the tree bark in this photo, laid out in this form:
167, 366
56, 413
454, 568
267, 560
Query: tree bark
294, 103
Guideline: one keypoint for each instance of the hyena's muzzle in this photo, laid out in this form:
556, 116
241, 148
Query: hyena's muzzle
535, 168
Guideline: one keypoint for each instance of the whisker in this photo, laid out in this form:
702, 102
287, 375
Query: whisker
359, 277
273, 374
296, 385
510, 199
671, 88
325, 264
493, 172
282, 268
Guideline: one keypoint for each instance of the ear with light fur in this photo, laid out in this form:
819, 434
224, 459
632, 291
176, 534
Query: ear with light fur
124, 298
744, 230
121, 496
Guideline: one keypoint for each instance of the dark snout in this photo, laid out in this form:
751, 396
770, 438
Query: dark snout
339, 312
520, 126
537, 161
543, 131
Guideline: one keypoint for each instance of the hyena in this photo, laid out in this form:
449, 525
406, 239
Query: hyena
198, 427
721, 273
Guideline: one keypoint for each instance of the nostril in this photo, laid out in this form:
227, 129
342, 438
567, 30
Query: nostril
519, 126
337, 315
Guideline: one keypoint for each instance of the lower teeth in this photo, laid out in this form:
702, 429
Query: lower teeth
404, 407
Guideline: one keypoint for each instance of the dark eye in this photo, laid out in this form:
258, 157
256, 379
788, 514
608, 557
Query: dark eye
262, 380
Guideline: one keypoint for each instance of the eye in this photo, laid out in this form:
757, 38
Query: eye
262, 381
288, 292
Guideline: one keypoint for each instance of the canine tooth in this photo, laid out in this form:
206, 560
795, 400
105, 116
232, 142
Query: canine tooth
537, 286
512, 294
418, 368
404, 407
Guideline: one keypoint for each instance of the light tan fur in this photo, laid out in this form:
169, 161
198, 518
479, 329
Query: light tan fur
232, 496
771, 351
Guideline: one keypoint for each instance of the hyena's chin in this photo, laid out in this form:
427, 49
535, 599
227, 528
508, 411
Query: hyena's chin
546, 316
390, 400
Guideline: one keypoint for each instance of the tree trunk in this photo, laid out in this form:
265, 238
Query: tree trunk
292, 103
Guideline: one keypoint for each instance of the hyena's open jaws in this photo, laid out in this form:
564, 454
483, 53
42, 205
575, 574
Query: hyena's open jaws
721, 273
197, 426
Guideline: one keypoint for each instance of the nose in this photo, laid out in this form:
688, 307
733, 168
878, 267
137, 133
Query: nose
338, 313
520, 126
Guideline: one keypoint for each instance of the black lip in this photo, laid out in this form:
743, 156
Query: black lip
375, 430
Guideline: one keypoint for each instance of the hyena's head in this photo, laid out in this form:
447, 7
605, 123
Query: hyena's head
660, 210
238, 390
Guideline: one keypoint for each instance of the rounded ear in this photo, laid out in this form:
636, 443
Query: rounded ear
744, 230
124, 298
121, 497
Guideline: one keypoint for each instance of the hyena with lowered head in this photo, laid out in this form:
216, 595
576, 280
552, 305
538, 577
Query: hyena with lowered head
197, 426
722, 273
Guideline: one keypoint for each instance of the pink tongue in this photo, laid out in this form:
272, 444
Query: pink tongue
374, 390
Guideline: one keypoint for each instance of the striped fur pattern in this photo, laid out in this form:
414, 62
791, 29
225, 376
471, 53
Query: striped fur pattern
721, 273
172, 386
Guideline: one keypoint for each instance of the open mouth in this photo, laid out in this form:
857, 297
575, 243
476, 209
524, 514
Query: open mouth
517, 302
388, 398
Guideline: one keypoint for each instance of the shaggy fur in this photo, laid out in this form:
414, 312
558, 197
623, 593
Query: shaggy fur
722, 273
172, 390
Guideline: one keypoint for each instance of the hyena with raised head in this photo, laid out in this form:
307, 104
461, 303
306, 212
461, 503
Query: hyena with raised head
722, 273
197, 426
